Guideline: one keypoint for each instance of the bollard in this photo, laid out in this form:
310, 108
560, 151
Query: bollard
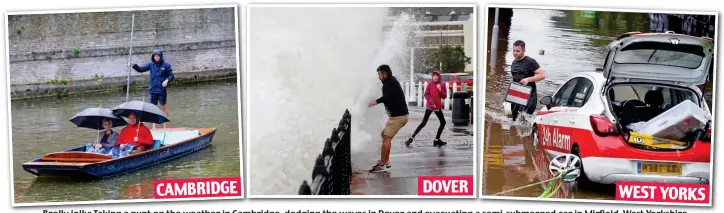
454, 89
408, 94
448, 98
460, 111
424, 87
419, 94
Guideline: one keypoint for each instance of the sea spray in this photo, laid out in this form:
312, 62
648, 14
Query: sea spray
307, 65
367, 123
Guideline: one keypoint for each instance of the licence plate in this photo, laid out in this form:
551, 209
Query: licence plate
658, 168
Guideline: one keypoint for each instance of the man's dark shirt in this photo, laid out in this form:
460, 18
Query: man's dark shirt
393, 97
524, 68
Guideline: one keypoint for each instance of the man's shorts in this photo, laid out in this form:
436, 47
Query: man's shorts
157, 98
394, 124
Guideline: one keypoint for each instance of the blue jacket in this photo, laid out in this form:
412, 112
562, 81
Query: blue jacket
159, 72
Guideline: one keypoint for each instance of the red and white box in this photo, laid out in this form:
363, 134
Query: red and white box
663, 192
518, 94
445, 186
197, 188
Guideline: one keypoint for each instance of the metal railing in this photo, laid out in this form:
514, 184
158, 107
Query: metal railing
415, 93
332, 171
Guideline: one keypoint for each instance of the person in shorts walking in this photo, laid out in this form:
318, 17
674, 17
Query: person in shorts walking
396, 106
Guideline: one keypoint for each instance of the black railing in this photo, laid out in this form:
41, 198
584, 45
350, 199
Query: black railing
332, 171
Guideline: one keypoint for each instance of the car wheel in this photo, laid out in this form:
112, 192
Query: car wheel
583, 181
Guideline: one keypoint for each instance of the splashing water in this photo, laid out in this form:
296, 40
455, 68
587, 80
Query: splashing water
307, 65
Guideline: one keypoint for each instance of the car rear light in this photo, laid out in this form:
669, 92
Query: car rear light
602, 126
706, 38
707, 136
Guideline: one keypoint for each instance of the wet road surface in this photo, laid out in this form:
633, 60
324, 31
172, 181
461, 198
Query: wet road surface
422, 159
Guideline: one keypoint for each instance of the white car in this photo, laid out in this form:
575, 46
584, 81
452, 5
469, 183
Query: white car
644, 75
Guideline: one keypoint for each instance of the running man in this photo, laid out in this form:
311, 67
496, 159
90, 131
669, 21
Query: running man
161, 75
394, 99
526, 71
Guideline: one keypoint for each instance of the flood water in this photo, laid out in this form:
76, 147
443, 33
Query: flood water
572, 42
41, 126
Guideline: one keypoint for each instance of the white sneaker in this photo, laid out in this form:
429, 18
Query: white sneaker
378, 168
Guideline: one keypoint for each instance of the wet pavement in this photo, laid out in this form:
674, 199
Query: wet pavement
421, 159
571, 42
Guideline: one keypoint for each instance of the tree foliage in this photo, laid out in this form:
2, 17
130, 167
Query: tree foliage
453, 59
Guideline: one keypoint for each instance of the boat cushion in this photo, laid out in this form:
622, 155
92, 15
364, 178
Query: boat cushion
173, 137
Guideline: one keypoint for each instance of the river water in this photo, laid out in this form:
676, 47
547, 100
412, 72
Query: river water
41, 126
571, 42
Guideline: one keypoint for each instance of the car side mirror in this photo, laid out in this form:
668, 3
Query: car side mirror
547, 101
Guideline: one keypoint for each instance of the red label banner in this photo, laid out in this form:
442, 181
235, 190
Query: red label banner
663, 192
445, 186
195, 188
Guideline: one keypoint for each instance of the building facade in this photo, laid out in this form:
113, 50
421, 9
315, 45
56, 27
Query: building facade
435, 30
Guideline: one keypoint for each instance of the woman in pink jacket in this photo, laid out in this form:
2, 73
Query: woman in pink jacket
434, 94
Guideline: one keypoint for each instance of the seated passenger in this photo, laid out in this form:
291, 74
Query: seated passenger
106, 142
135, 134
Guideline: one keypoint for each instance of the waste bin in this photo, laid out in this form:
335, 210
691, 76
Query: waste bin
461, 110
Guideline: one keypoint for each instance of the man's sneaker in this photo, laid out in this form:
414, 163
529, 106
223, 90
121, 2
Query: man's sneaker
438, 142
408, 142
388, 165
378, 168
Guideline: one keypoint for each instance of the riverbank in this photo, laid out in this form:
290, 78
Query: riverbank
62, 89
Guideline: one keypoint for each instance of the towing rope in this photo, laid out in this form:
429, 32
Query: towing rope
549, 191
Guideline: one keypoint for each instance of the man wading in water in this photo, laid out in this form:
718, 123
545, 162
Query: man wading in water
394, 99
526, 71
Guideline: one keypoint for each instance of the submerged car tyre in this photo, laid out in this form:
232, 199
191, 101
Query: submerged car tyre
583, 181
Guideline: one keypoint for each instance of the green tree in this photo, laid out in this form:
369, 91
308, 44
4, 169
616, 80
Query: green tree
453, 59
